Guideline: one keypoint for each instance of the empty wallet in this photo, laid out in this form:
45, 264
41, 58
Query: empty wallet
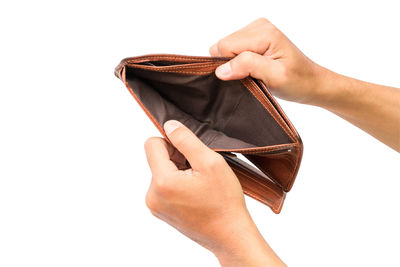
230, 117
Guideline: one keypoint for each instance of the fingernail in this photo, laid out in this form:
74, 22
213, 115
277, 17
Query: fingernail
224, 70
171, 125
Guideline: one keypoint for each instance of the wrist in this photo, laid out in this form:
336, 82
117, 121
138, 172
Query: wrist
325, 89
255, 256
336, 92
243, 245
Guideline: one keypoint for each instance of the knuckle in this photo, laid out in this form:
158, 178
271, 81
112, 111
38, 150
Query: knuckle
179, 137
219, 160
246, 58
155, 213
265, 25
211, 50
262, 21
161, 185
271, 29
286, 76
150, 142
215, 162
283, 77
151, 202
222, 45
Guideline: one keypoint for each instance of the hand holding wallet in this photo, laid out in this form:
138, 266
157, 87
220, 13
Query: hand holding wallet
230, 117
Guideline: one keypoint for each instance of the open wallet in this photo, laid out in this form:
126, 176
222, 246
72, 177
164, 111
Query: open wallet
230, 117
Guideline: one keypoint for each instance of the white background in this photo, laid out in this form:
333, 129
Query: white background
73, 173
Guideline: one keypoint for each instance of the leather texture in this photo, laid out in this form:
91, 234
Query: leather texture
230, 117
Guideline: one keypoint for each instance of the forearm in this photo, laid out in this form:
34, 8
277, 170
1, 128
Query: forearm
373, 108
242, 245
263, 52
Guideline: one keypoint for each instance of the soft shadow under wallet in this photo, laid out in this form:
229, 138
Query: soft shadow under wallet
230, 117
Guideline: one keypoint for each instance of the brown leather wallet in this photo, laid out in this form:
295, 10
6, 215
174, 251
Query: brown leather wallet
230, 117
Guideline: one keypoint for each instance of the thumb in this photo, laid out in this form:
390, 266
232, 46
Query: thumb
186, 142
245, 64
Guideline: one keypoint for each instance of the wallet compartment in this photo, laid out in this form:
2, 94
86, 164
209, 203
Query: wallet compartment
238, 116
219, 112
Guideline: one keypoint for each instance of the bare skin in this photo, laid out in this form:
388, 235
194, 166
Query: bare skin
263, 52
215, 216
206, 202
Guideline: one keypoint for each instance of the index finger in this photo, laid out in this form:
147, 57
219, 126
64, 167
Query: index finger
158, 156
253, 37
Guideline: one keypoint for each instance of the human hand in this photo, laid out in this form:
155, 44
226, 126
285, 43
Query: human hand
205, 202
264, 52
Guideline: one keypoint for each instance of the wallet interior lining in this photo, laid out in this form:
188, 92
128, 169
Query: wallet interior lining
223, 114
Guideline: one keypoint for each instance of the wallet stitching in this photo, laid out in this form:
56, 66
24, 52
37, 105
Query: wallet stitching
295, 169
172, 68
155, 122
273, 205
292, 172
265, 87
243, 82
291, 177
261, 149
191, 60
255, 180
176, 57
170, 57
267, 108
183, 66
167, 57
187, 72
265, 171
261, 102
248, 151
199, 64
279, 118
194, 59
